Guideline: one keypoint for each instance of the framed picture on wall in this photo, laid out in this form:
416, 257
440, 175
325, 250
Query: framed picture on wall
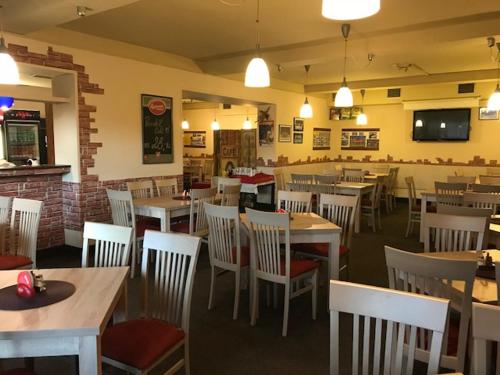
321, 138
157, 141
195, 139
298, 124
266, 133
298, 138
485, 114
285, 133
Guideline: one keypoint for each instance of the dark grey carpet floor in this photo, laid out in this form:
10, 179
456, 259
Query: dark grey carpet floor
223, 346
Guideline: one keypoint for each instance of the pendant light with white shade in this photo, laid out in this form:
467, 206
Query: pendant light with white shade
494, 100
362, 119
215, 124
344, 95
185, 124
343, 10
306, 110
247, 124
9, 74
257, 73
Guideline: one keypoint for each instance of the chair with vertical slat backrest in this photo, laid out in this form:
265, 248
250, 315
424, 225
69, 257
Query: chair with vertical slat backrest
226, 181
231, 195
394, 327
469, 180
324, 179
141, 189
463, 211
111, 244
139, 345
303, 182
5, 205
381, 168
266, 228
294, 201
167, 187
413, 205
393, 184
371, 207
354, 175
444, 233
387, 194
485, 330
340, 210
426, 275
450, 193
482, 188
489, 180
224, 248
23, 234
483, 200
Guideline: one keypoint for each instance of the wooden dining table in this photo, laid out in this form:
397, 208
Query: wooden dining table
163, 208
358, 189
484, 290
73, 326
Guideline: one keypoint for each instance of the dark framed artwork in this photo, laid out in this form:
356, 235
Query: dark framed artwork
298, 124
321, 138
360, 139
485, 114
348, 113
298, 138
195, 139
266, 133
157, 137
285, 133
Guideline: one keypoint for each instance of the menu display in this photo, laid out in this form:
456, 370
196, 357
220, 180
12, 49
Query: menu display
157, 139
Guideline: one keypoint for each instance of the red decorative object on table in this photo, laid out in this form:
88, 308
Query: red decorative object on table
25, 285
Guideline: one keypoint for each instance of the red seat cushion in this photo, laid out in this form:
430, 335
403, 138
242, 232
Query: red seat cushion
144, 223
139, 343
245, 256
299, 266
200, 185
18, 371
181, 227
11, 262
320, 249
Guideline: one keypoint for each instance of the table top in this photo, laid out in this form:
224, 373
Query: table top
86, 312
305, 222
166, 203
484, 290
373, 176
355, 185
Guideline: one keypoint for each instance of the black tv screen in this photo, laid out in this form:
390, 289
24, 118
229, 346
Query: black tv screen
441, 125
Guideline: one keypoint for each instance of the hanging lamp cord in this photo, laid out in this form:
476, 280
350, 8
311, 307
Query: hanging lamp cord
257, 21
345, 55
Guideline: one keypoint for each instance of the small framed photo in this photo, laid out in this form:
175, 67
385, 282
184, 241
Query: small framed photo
484, 114
285, 133
298, 138
298, 124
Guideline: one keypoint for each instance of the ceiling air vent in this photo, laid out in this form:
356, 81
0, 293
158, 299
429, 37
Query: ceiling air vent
226, 106
465, 88
394, 93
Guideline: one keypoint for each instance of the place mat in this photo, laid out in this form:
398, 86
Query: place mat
182, 198
57, 291
486, 272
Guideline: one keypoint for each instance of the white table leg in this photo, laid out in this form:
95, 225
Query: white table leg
334, 256
423, 210
90, 355
165, 221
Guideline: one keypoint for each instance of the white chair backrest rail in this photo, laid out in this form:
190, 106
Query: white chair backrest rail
427, 275
340, 210
450, 193
166, 187
24, 222
393, 328
122, 207
141, 189
112, 244
294, 201
198, 225
490, 201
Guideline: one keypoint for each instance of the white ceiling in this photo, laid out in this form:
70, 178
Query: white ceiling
438, 35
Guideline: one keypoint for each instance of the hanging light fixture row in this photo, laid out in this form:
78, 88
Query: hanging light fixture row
9, 73
257, 73
344, 10
494, 100
344, 95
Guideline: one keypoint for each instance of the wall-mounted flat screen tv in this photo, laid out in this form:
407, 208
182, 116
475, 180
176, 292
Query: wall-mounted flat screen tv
441, 125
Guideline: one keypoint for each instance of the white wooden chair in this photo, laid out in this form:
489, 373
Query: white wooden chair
167, 187
413, 205
485, 329
111, 244
137, 346
23, 234
354, 175
489, 180
224, 248
226, 181
5, 206
294, 201
463, 211
279, 179
324, 179
381, 168
302, 182
450, 193
489, 201
198, 225
371, 207
426, 275
483, 188
231, 195
141, 189
340, 210
372, 306
454, 233
469, 180
391, 188
268, 231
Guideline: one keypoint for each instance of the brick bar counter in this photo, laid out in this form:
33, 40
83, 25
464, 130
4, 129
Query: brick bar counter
43, 183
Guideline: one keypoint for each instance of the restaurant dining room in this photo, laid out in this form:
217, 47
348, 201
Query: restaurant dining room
250, 187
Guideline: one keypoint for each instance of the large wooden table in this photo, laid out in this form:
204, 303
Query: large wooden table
484, 290
71, 327
311, 228
355, 188
163, 208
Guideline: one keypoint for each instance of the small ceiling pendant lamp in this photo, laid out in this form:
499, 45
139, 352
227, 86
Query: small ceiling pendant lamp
247, 124
344, 95
9, 74
494, 100
343, 10
6, 103
362, 119
257, 73
185, 124
215, 124
306, 110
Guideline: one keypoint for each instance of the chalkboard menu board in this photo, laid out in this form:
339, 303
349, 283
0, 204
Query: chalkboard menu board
157, 129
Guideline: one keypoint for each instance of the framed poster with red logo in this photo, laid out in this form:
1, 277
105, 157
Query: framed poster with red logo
157, 137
